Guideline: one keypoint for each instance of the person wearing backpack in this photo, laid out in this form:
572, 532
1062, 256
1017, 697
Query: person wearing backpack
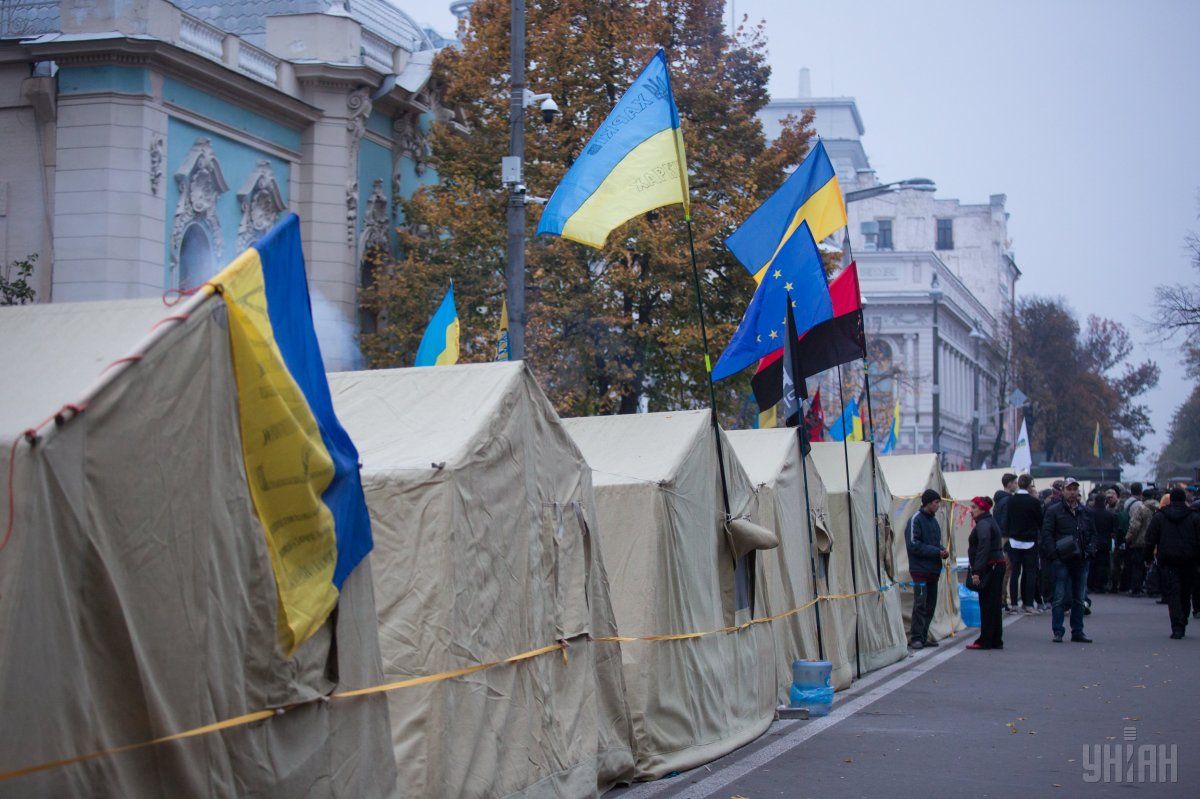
1173, 536
1119, 572
1135, 537
1069, 543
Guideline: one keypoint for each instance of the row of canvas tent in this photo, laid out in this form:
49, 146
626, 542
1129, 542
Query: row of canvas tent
137, 598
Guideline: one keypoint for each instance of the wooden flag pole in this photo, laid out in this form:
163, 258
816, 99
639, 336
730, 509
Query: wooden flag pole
850, 511
870, 424
802, 443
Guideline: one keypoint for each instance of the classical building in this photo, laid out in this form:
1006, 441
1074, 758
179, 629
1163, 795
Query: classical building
147, 143
922, 257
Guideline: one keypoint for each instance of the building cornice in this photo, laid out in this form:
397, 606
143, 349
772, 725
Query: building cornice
178, 63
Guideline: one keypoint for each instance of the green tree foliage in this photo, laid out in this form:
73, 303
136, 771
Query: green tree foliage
1077, 377
14, 282
610, 326
1181, 454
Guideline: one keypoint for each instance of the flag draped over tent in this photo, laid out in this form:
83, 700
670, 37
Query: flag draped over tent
635, 162
439, 345
799, 271
810, 194
301, 466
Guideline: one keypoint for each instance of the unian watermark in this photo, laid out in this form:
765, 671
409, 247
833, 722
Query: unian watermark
1130, 762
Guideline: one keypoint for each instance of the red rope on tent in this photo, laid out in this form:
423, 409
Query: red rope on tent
173, 296
178, 317
30, 435
126, 359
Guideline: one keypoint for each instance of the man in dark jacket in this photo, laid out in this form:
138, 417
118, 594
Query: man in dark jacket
1174, 536
1069, 543
1106, 524
1023, 525
923, 540
1008, 482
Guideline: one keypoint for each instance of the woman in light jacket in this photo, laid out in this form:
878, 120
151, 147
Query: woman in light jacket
985, 551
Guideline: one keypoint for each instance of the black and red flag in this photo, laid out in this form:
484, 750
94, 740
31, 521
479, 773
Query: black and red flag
814, 420
835, 341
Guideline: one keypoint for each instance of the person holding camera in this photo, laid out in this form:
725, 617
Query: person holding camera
1069, 543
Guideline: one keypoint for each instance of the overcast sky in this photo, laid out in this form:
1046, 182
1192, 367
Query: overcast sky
1084, 112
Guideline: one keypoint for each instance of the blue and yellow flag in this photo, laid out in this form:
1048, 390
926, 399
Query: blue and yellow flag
894, 432
301, 466
439, 345
633, 163
810, 194
849, 425
798, 272
1097, 446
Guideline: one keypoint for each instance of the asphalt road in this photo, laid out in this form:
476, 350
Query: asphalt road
1036, 719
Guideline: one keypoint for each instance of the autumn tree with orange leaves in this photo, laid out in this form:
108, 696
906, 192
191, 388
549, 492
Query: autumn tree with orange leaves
605, 327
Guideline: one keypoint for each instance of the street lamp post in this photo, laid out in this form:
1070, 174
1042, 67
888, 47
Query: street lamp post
514, 270
919, 184
935, 294
977, 339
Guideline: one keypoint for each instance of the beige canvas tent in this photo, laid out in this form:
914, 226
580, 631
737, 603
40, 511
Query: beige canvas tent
785, 575
907, 477
852, 516
486, 547
659, 503
137, 597
962, 487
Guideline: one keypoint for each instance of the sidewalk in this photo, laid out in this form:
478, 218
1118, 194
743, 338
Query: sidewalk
1035, 719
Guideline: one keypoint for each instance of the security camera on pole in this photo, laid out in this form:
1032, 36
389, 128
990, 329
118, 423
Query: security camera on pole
511, 172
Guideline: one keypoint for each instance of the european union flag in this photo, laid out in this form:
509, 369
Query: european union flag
797, 270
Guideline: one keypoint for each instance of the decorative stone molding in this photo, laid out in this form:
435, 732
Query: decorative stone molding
261, 203
359, 103
412, 142
157, 159
376, 221
201, 184
351, 211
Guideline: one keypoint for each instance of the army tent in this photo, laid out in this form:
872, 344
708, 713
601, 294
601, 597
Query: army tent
852, 516
485, 548
785, 575
661, 512
907, 477
137, 594
962, 487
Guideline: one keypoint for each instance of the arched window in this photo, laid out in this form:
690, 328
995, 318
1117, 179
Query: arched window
196, 262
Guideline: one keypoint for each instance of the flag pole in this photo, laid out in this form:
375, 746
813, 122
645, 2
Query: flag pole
850, 512
803, 444
871, 425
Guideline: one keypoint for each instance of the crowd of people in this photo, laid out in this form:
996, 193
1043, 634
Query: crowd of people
1037, 551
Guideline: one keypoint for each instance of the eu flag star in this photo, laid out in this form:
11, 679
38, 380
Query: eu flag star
778, 274
774, 334
787, 286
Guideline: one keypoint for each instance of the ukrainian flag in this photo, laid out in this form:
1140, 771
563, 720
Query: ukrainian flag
1097, 445
894, 432
810, 194
849, 426
439, 345
301, 466
633, 163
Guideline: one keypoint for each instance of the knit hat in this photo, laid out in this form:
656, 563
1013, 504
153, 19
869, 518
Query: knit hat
929, 496
983, 503
1178, 495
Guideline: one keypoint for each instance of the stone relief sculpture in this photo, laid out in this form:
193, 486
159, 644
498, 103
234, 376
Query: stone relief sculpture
351, 211
376, 220
196, 241
157, 157
411, 142
261, 203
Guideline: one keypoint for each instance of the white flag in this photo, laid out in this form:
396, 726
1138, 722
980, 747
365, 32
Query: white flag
1022, 459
